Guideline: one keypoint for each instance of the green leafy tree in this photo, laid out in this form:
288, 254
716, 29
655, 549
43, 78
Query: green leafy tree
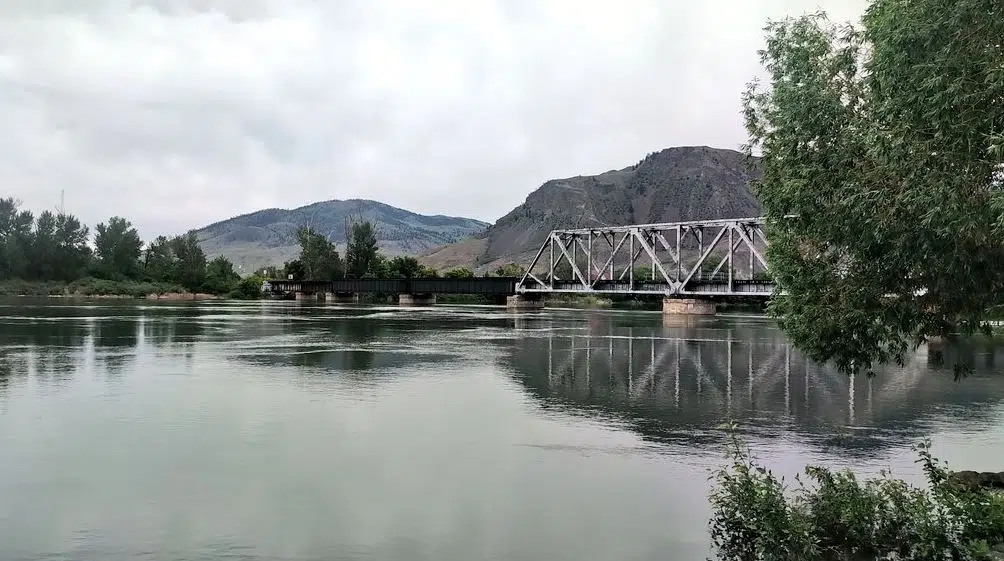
885, 143
268, 272
459, 273
221, 277
294, 270
73, 255
159, 260
118, 248
380, 268
15, 239
427, 272
362, 253
404, 266
43, 248
510, 270
319, 257
190, 261
249, 288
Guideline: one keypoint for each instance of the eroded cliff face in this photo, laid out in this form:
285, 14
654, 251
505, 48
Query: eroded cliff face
686, 183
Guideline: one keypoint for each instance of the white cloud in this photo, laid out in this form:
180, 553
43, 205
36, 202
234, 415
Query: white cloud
176, 113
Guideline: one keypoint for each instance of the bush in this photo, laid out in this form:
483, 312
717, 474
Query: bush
840, 517
104, 287
249, 288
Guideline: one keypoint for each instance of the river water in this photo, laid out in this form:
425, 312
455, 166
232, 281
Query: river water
286, 431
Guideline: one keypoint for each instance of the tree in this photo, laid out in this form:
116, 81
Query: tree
510, 270
159, 261
190, 261
459, 273
249, 288
268, 272
427, 272
361, 253
73, 255
294, 270
15, 239
43, 258
118, 247
319, 257
220, 276
881, 175
404, 266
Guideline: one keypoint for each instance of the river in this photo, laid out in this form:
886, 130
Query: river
288, 431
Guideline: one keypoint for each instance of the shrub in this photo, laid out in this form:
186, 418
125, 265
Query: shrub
838, 516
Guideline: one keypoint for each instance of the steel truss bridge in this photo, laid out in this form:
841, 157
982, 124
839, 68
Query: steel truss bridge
701, 258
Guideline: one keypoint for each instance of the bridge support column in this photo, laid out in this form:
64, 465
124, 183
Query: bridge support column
305, 296
687, 307
524, 302
341, 297
416, 299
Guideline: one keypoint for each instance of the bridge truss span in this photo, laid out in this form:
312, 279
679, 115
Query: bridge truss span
702, 258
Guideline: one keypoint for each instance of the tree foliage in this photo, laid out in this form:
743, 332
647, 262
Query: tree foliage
459, 273
362, 253
189, 261
220, 276
319, 257
49, 247
510, 270
118, 248
55, 247
881, 175
404, 266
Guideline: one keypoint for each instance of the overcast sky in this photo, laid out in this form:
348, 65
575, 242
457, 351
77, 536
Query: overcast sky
177, 113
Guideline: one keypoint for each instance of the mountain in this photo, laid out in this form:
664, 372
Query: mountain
675, 184
268, 237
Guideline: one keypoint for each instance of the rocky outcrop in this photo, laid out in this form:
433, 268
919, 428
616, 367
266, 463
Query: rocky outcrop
974, 480
683, 183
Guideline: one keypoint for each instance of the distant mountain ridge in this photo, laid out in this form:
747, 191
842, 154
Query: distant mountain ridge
675, 184
268, 236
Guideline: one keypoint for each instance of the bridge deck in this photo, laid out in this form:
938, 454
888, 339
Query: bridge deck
693, 288
488, 286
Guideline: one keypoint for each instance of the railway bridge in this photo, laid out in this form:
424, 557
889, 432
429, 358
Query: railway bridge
690, 265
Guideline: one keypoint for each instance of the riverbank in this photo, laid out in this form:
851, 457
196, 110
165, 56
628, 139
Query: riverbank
102, 289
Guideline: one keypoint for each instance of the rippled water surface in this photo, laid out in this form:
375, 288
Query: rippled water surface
284, 431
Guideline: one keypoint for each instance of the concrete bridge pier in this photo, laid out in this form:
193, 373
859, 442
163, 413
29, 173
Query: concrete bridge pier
687, 307
524, 302
416, 299
302, 296
341, 297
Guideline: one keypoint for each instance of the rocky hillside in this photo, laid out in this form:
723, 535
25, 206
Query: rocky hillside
268, 236
686, 183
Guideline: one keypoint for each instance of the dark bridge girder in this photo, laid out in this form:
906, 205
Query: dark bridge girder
487, 286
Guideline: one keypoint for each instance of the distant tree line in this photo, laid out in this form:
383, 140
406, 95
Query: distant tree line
57, 247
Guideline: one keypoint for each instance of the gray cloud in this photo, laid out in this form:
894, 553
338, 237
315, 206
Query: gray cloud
176, 113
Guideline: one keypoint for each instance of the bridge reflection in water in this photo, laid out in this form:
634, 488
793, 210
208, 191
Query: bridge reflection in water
679, 384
